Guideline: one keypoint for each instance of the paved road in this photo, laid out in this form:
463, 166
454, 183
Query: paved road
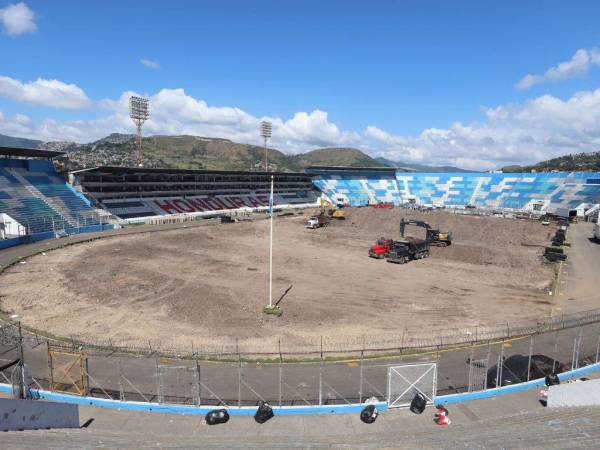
340, 382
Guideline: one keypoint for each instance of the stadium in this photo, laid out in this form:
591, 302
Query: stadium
206, 284
147, 287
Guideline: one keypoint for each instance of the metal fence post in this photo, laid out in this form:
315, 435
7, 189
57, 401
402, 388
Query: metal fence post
360, 387
500, 365
199, 383
598, 348
239, 375
159, 385
555, 355
530, 354
321, 375
121, 391
280, 375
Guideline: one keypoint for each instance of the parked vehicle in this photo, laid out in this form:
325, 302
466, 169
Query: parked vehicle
515, 368
322, 220
406, 250
381, 249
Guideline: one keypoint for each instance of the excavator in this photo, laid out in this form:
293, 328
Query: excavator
432, 235
332, 211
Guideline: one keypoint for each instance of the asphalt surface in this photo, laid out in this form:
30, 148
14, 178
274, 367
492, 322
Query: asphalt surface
243, 383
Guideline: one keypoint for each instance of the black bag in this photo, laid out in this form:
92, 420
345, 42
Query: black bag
216, 416
369, 414
264, 412
418, 403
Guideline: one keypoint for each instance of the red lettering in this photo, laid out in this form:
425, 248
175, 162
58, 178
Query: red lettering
198, 204
185, 208
212, 205
168, 207
251, 201
237, 202
221, 204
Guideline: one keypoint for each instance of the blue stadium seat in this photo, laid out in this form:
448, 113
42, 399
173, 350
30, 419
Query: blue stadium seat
40, 199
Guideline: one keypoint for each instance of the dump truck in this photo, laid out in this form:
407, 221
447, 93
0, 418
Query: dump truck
406, 250
321, 220
433, 236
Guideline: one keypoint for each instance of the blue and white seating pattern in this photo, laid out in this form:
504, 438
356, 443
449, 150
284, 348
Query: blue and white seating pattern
36, 196
487, 190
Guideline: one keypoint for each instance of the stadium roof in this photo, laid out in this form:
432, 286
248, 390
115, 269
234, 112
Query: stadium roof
29, 152
141, 170
348, 169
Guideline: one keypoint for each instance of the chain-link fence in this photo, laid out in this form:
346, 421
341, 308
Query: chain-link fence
474, 360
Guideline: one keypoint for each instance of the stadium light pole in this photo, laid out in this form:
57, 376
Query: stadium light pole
266, 129
139, 112
271, 248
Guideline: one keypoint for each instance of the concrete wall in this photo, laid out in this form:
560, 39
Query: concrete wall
35, 414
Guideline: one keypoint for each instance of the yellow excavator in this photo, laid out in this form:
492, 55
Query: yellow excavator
332, 211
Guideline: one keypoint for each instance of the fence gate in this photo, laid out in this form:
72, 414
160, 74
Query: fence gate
478, 374
405, 381
178, 384
67, 370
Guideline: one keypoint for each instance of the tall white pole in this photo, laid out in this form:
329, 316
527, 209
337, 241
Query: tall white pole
271, 250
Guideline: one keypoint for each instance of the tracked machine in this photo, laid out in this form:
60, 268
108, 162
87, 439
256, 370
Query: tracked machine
432, 235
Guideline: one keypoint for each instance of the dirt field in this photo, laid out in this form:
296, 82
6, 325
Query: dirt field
209, 284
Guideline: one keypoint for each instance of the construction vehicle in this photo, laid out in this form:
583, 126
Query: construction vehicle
432, 235
382, 205
406, 250
333, 212
321, 220
381, 249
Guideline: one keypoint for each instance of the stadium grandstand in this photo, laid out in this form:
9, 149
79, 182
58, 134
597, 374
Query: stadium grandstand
36, 201
518, 191
131, 193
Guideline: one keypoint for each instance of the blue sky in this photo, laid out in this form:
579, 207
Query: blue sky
433, 82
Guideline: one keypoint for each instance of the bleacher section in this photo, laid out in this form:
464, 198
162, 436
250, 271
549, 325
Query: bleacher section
33, 194
131, 193
522, 191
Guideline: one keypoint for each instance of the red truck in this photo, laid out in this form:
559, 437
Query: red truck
382, 205
381, 249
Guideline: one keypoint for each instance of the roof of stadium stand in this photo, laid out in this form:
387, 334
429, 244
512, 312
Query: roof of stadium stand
117, 169
29, 152
349, 169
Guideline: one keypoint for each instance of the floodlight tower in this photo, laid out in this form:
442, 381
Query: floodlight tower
266, 129
139, 112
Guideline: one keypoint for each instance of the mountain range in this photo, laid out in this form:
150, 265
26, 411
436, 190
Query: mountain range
196, 152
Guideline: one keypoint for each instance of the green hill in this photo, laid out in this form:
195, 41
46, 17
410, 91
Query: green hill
581, 162
10, 141
195, 152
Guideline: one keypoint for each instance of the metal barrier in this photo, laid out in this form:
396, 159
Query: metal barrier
306, 378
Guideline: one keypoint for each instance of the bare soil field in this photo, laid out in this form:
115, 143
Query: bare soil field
207, 285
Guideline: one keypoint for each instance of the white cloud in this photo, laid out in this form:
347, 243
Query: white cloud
541, 128
52, 93
17, 19
151, 64
577, 66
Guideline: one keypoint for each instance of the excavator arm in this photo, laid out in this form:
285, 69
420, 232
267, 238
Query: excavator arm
418, 223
